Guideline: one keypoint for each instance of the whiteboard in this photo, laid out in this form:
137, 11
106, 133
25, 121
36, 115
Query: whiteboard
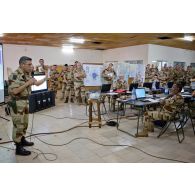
93, 74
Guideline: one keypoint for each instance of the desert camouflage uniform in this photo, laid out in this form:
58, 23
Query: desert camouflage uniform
170, 106
109, 76
79, 87
54, 81
19, 104
69, 77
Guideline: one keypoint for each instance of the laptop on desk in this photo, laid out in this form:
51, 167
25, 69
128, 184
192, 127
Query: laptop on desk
140, 94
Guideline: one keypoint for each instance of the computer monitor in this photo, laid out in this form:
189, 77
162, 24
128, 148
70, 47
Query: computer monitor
157, 85
170, 84
105, 88
40, 88
140, 93
147, 85
133, 85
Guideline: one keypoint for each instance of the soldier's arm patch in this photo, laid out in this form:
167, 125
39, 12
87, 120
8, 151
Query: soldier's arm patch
14, 77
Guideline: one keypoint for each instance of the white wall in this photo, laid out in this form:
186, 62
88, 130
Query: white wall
170, 54
139, 52
51, 55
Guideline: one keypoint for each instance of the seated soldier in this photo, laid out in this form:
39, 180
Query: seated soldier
170, 105
191, 105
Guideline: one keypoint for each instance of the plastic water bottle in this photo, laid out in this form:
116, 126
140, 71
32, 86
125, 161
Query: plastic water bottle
133, 94
166, 90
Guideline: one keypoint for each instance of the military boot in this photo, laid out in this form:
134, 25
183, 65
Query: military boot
66, 101
20, 150
24, 142
71, 100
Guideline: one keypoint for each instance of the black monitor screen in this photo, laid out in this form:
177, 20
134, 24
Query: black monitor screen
42, 87
147, 85
170, 85
105, 88
133, 85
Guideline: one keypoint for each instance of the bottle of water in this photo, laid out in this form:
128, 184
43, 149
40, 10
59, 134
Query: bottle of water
166, 90
133, 97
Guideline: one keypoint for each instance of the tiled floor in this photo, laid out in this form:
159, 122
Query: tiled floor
86, 151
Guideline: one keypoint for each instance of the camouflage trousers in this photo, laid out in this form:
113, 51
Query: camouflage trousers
20, 120
69, 91
63, 89
54, 87
151, 116
79, 89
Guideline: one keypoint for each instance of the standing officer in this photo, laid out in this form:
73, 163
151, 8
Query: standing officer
64, 81
19, 89
109, 74
69, 77
171, 104
54, 79
79, 75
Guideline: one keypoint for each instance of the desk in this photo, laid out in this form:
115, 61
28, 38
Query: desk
112, 96
142, 107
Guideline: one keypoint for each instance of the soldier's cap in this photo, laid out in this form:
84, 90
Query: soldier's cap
65, 64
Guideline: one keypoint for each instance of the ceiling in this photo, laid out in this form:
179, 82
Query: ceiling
99, 41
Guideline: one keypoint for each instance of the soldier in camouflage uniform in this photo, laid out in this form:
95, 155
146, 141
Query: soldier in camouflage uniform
69, 77
118, 84
189, 74
171, 104
147, 73
64, 82
109, 74
54, 79
19, 89
79, 75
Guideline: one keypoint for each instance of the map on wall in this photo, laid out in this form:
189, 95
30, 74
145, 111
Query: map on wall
128, 70
93, 74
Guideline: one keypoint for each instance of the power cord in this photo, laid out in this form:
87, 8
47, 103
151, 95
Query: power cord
112, 145
64, 131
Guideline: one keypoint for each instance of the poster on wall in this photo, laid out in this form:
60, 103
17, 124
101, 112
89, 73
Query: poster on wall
128, 70
93, 74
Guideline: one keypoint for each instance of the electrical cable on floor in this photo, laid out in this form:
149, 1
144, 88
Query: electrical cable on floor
62, 117
113, 145
120, 145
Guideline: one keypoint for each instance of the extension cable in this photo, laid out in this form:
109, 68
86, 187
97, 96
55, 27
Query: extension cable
64, 131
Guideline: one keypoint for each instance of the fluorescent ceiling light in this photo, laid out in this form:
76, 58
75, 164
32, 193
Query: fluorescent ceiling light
188, 38
1, 34
67, 49
77, 40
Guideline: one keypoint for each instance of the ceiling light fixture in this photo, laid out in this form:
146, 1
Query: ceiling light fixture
67, 49
188, 38
77, 40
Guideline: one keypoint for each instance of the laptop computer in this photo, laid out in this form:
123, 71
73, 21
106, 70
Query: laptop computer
105, 88
140, 94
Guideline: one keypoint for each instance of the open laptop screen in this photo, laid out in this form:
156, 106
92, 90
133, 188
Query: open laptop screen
140, 93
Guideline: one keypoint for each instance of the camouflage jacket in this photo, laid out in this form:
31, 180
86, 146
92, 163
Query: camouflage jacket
17, 79
173, 103
120, 84
79, 75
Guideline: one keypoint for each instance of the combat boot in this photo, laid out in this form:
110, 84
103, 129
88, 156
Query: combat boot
20, 150
66, 101
71, 100
24, 142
